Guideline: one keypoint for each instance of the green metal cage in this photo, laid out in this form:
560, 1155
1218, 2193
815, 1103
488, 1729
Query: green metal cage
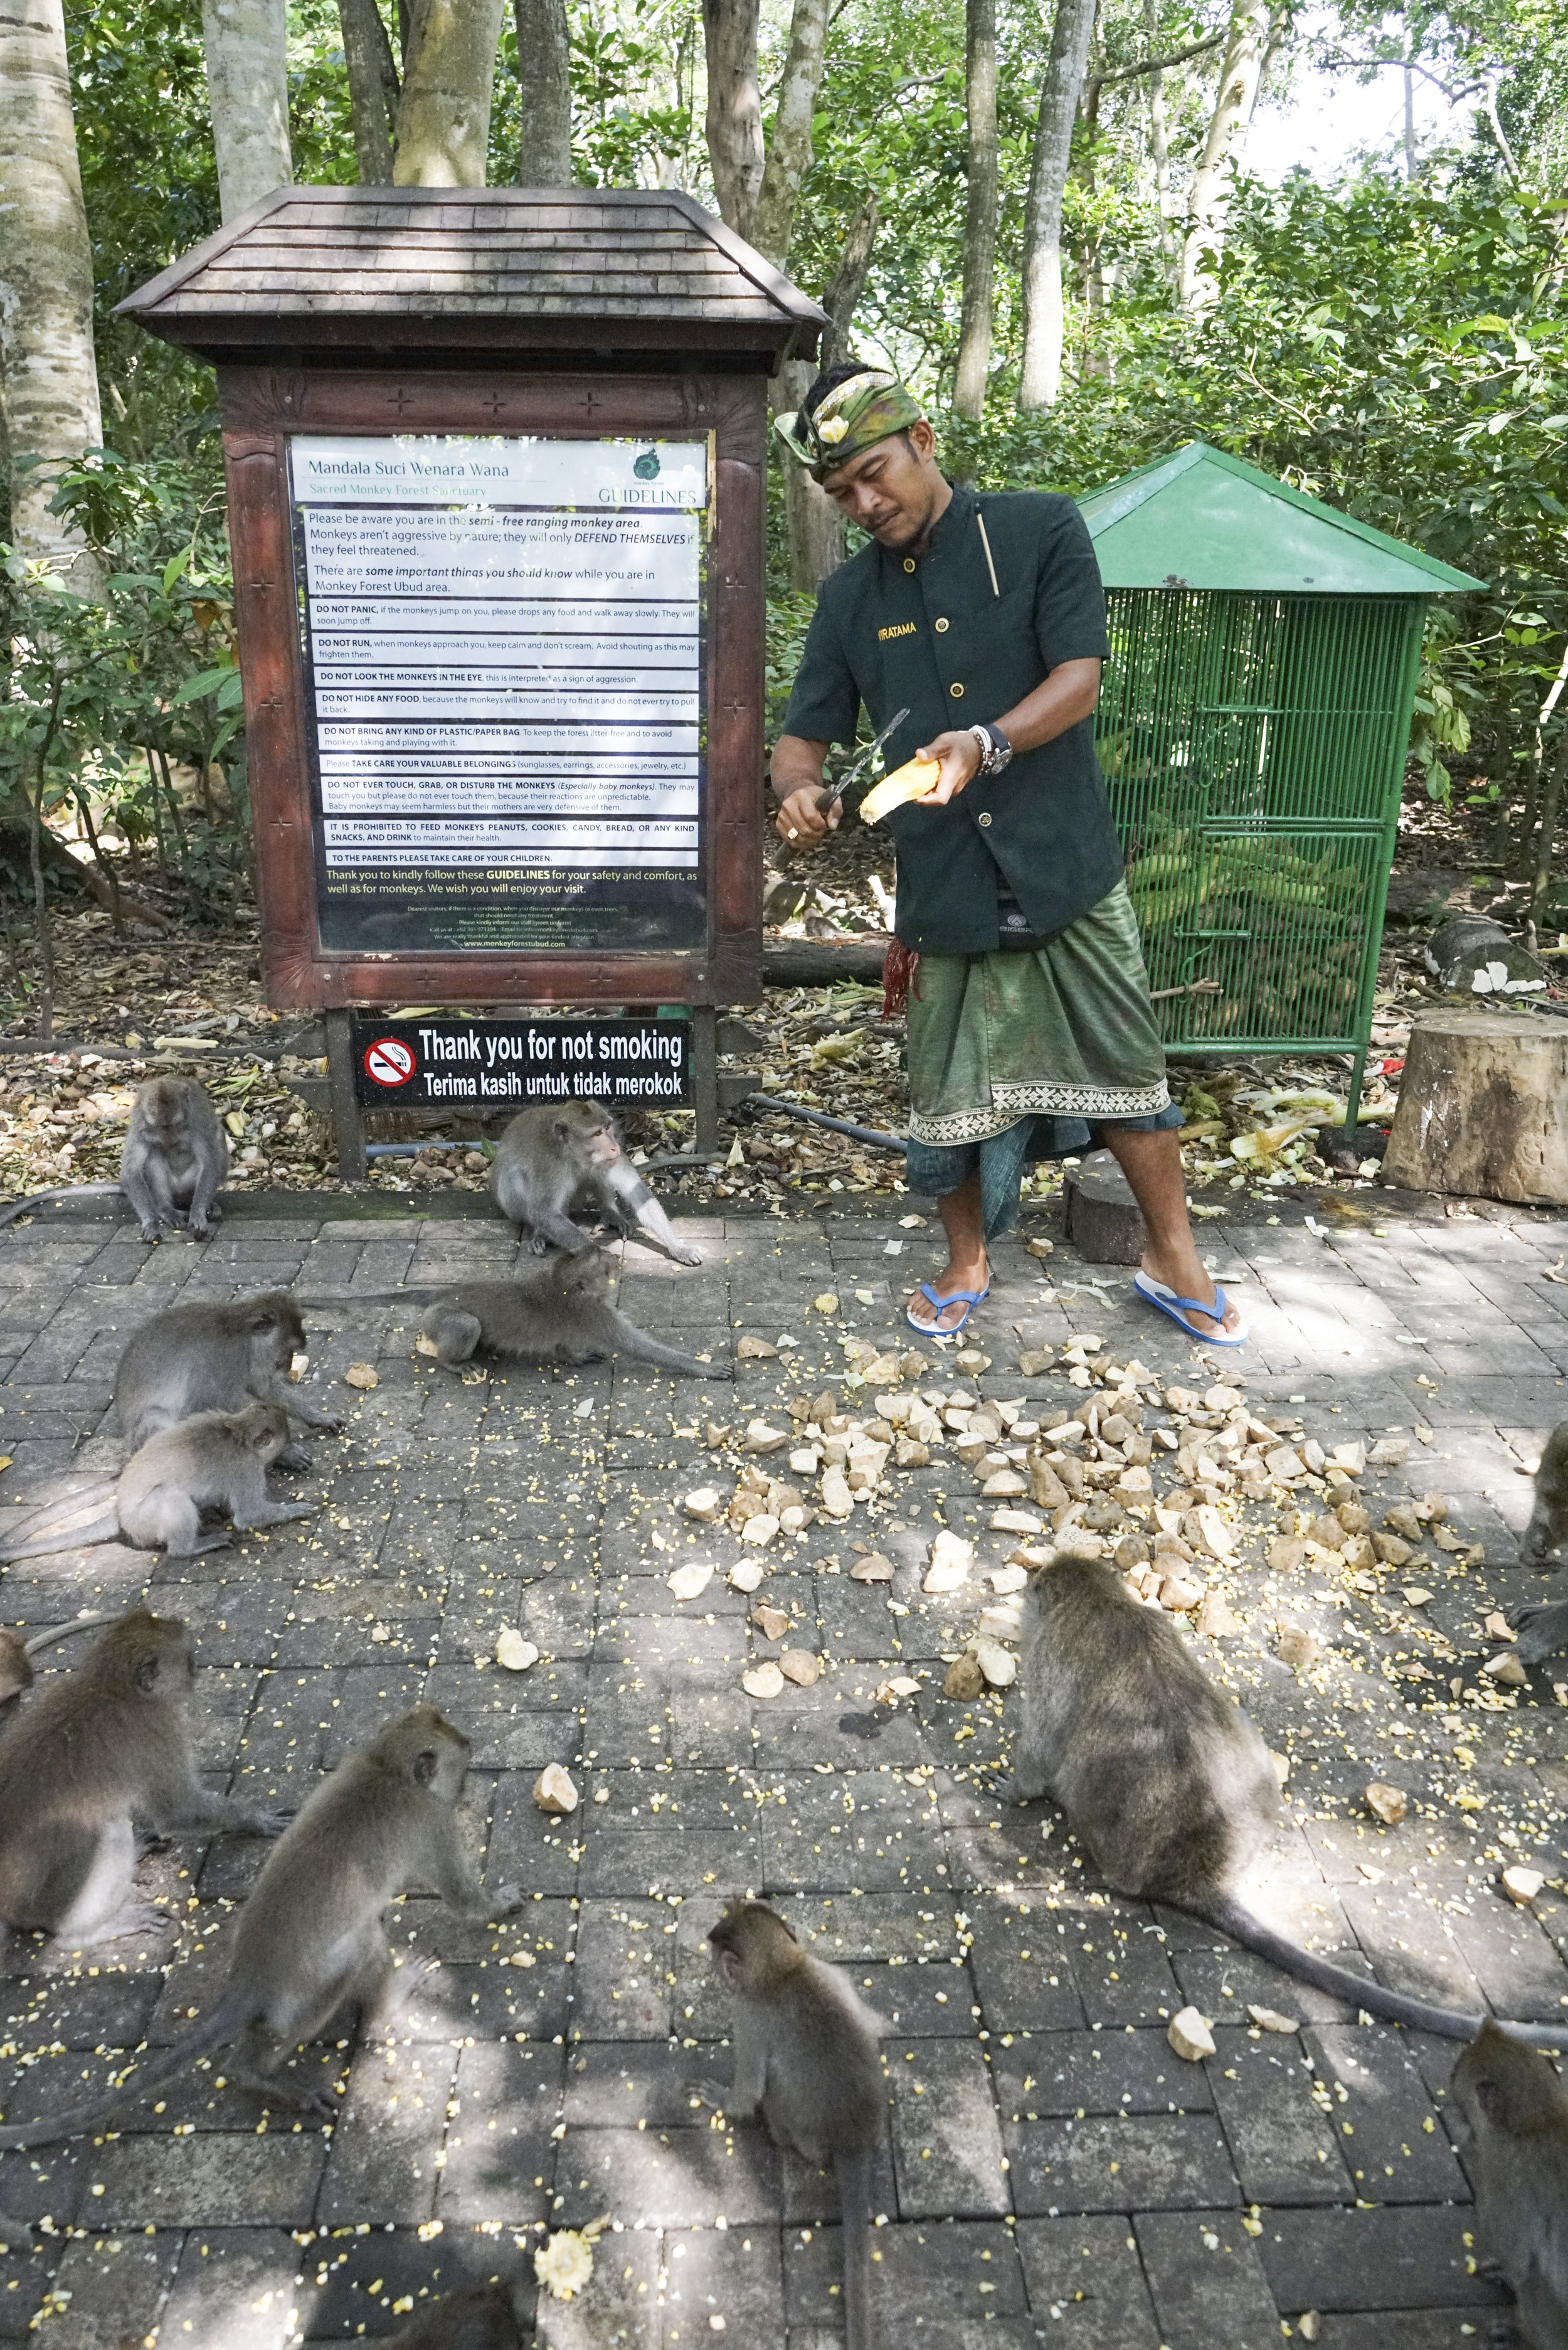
1252, 728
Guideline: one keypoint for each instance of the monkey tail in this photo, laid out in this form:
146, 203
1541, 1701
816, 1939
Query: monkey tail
229, 2017
636, 1343
70, 1523
1393, 2006
41, 1641
853, 2175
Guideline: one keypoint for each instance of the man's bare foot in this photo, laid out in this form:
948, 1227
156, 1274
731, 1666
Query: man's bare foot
1189, 1280
941, 1321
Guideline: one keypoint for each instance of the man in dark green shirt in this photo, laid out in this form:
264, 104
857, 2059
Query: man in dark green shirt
985, 616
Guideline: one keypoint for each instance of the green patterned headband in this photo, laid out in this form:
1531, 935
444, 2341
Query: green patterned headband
855, 415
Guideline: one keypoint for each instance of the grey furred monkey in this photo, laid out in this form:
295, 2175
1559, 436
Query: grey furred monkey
214, 1461
105, 1747
214, 1358
556, 1312
310, 1941
1515, 2110
1542, 1627
176, 1155
806, 2054
1163, 1778
566, 1154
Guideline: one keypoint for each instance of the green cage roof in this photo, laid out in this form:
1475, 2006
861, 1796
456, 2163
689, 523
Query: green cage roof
1202, 519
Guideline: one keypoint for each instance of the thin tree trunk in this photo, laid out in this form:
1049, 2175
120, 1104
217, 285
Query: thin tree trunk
444, 117
980, 209
1545, 840
813, 523
373, 89
246, 46
545, 87
110, 878
1041, 378
789, 149
50, 383
842, 299
1238, 79
36, 852
735, 110
1159, 143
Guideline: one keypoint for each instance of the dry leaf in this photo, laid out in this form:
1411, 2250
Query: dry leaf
361, 1375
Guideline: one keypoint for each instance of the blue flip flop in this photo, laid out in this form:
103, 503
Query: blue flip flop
1166, 1301
968, 1298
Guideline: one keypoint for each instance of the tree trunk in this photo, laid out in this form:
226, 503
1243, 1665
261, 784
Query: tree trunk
373, 89
247, 93
789, 149
814, 524
979, 210
1238, 79
1479, 1107
443, 119
1160, 142
50, 383
735, 110
1041, 378
545, 86
1545, 840
842, 299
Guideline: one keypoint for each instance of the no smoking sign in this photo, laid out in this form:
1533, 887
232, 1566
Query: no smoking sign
389, 1062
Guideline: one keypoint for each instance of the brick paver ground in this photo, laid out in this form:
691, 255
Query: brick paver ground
1053, 2171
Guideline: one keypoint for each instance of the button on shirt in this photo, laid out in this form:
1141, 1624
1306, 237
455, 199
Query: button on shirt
933, 632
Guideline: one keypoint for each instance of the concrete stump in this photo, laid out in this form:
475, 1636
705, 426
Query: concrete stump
1105, 1222
1483, 1107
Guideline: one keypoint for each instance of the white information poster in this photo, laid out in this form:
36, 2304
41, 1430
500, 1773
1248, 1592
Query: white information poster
504, 651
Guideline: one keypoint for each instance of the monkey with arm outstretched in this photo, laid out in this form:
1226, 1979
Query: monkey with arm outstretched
310, 1939
218, 1460
806, 2054
563, 1155
556, 1312
107, 1747
176, 1155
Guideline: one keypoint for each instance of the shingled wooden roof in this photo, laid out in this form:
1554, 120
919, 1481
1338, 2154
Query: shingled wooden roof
450, 270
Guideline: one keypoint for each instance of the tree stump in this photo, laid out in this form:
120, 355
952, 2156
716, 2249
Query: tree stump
1483, 1107
1105, 1222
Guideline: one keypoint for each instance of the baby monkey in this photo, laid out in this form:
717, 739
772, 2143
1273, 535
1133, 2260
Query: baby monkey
805, 2052
176, 1155
216, 1461
563, 1155
556, 1312
1516, 2111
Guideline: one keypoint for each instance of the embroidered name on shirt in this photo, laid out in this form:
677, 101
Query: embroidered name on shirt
899, 628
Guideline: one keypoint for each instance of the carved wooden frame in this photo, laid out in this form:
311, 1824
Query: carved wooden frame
261, 406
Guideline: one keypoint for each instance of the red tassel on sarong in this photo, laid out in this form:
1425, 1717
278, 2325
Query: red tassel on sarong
900, 977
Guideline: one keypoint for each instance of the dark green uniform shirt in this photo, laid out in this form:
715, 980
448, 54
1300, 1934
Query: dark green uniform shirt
933, 631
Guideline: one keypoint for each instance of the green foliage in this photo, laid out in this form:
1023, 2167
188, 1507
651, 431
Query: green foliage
129, 701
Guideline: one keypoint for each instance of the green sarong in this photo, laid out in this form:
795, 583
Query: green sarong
1065, 1027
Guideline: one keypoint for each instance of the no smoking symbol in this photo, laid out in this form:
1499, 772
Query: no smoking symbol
389, 1062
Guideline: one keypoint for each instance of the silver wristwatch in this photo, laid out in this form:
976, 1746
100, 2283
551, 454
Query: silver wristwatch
995, 750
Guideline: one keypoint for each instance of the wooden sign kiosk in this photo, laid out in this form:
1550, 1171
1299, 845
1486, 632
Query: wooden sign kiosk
497, 477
